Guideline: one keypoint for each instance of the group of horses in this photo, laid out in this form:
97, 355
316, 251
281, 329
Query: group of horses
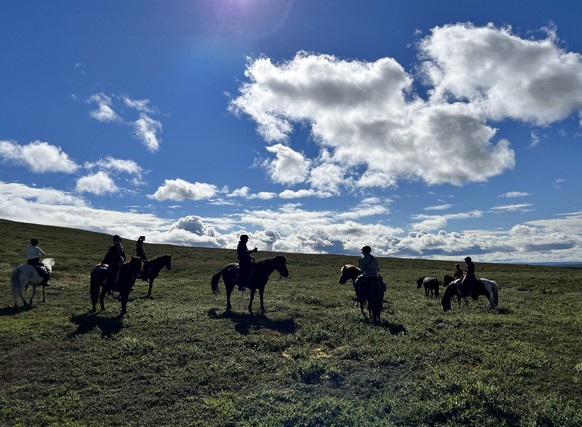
370, 300
27, 275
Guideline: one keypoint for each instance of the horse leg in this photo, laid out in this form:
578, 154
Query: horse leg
150, 288
251, 301
229, 289
363, 312
124, 297
44, 294
32, 296
261, 293
102, 297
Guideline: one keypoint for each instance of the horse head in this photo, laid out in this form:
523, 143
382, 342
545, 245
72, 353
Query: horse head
348, 271
281, 265
169, 262
449, 293
419, 282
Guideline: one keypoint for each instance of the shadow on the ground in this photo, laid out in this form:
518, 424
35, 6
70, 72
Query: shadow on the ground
245, 322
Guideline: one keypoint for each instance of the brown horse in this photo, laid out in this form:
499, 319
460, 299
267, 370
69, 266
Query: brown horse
372, 292
151, 269
259, 277
127, 275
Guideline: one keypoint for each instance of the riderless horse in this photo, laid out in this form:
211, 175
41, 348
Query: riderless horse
487, 288
26, 274
371, 295
431, 285
259, 277
126, 279
151, 270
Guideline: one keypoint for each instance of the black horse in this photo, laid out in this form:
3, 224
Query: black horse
127, 275
372, 293
259, 277
431, 286
151, 269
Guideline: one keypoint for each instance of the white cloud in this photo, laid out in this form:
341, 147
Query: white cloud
288, 167
292, 194
437, 222
99, 183
294, 229
104, 111
503, 75
178, 189
443, 207
512, 194
516, 207
38, 156
146, 130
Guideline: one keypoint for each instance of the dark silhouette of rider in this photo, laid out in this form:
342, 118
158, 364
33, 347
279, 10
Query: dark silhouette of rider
33, 254
114, 258
245, 262
140, 252
468, 281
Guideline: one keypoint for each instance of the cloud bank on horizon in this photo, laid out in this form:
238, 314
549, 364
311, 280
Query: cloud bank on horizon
371, 127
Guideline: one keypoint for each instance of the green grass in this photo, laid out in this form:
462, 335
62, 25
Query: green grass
179, 359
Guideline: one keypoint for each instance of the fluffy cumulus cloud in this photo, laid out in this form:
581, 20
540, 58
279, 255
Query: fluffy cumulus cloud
179, 189
370, 121
38, 156
99, 183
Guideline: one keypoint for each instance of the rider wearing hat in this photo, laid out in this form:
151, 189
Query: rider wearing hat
245, 262
114, 258
368, 267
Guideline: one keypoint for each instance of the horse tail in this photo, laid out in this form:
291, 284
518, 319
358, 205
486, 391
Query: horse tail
495, 291
214, 282
15, 283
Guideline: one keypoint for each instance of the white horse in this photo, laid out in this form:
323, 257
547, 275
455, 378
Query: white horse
26, 274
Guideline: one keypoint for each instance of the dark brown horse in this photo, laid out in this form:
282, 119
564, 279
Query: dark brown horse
431, 286
259, 277
151, 270
127, 275
372, 292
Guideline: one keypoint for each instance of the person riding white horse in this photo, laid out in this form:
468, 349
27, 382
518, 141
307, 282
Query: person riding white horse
33, 257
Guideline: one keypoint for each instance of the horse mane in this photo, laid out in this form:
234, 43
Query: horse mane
48, 263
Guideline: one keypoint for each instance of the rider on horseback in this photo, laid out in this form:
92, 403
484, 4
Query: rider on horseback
140, 252
33, 254
114, 259
369, 268
245, 262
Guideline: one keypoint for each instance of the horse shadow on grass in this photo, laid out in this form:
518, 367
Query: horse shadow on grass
244, 322
88, 322
11, 310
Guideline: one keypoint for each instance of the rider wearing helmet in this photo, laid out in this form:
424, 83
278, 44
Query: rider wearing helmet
114, 258
368, 267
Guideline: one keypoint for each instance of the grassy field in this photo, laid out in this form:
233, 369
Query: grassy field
180, 359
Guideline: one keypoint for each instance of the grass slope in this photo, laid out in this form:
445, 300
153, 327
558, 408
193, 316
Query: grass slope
179, 359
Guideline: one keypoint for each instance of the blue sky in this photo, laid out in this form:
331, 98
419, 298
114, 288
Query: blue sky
423, 129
